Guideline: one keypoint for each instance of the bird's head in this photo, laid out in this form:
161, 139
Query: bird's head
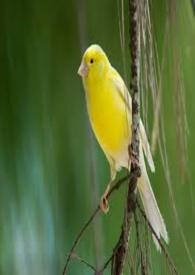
94, 62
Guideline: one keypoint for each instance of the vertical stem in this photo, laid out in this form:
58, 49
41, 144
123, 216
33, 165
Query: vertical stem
122, 245
134, 85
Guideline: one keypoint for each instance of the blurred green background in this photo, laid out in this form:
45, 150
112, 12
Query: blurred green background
52, 171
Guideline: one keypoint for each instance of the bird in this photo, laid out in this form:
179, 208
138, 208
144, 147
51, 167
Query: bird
109, 107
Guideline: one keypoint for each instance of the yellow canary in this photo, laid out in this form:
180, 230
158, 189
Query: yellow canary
109, 110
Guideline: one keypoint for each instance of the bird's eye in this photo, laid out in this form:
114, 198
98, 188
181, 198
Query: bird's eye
91, 60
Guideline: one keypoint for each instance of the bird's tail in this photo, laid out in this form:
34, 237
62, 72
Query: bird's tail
150, 205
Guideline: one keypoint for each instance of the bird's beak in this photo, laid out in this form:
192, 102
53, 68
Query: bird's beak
83, 70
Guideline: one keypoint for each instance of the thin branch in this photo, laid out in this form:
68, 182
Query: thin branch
122, 245
118, 184
115, 187
83, 229
75, 256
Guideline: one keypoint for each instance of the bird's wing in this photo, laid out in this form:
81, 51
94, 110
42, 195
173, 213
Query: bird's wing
126, 97
121, 88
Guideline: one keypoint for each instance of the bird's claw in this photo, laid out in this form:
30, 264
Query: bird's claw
104, 206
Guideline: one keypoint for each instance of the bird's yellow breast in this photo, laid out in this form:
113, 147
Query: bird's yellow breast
109, 116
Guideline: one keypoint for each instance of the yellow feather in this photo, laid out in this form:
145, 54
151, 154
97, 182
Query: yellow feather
109, 116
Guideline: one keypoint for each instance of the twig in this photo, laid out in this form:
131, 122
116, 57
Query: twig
110, 259
89, 221
75, 256
122, 247
79, 237
117, 185
163, 248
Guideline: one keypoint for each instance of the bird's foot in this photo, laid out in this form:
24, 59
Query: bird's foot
104, 206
